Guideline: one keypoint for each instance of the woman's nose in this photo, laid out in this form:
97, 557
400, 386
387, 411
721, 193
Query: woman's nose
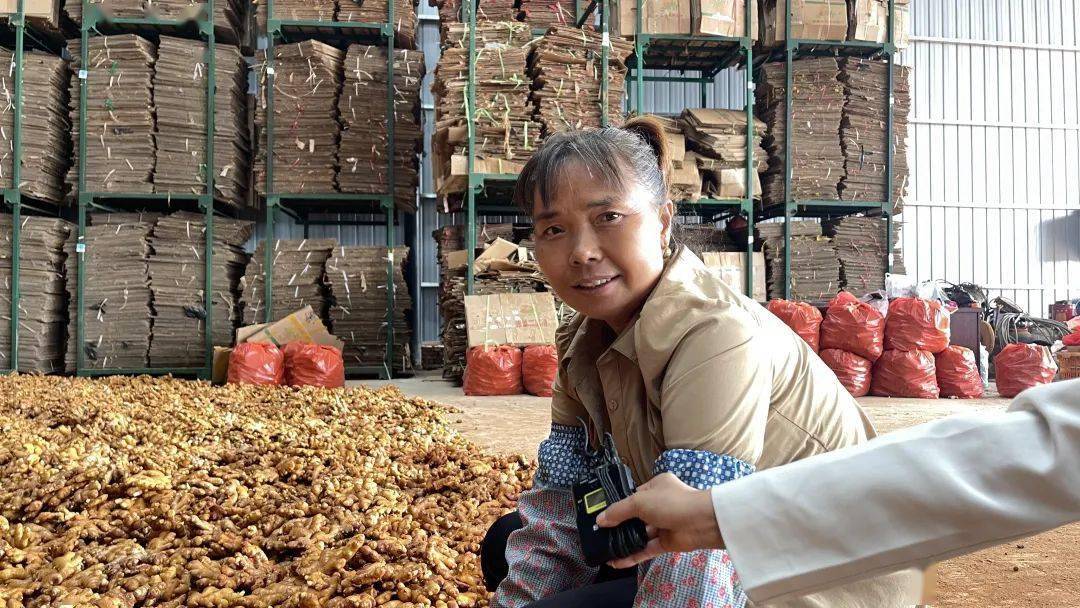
586, 250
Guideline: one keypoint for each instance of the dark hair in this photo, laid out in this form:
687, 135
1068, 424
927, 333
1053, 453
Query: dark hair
637, 150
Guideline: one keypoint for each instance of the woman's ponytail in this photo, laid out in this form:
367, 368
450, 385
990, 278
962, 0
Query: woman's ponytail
652, 132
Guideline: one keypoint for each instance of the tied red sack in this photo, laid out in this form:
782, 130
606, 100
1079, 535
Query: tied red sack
917, 324
1019, 367
1072, 339
802, 318
905, 373
853, 326
493, 370
539, 365
852, 370
958, 373
308, 364
256, 363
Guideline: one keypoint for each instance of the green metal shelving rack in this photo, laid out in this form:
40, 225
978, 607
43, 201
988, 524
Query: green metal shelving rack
92, 18
711, 55
300, 206
795, 48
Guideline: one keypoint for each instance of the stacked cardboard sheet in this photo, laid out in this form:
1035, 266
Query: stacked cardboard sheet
362, 154
307, 127
228, 14
357, 276
119, 113
450, 12
431, 355
684, 182
117, 309
566, 70
180, 104
45, 125
376, 11
505, 128
815, 271
43, 301
299, 269
71, 275
719, 138
863, 130
810, 20
869, 20
817, 105
178, 280
862, 250
546, 13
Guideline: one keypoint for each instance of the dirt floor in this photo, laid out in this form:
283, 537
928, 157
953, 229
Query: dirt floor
1039, 572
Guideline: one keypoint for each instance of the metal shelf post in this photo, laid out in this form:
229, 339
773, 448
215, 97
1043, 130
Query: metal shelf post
13, 196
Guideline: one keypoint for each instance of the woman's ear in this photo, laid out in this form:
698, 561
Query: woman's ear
667, 220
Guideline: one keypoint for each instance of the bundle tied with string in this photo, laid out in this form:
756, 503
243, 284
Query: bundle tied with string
357, 278
299, 279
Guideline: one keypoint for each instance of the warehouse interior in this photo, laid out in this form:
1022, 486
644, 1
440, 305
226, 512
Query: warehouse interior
273, 331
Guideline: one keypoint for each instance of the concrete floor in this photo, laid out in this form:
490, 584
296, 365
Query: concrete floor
1039, 572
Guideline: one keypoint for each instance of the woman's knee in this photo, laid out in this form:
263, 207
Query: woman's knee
493, 549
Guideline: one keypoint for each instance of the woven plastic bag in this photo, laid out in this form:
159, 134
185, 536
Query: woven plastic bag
539, 365
493, 370
256, 363
308, 364
905, 373
1072, 339
917, 324
802, 318
958, 373
853, 326
853, 371
1019, 367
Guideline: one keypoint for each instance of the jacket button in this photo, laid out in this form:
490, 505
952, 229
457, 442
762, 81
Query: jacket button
613, 404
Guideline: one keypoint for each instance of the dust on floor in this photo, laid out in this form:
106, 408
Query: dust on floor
1038, 572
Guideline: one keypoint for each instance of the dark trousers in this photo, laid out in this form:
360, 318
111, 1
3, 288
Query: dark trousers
610, 589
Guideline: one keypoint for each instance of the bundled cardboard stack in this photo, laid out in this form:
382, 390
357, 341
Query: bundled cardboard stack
450, 13
684, 182
299, 279
229, 15
177, 280
45, 127
376, 11
863, 132
119, 114
719, 139
698, 17
869, 20
566, 72
298, 10
71, 273
505, 129
357, 276
307, 127
431, 355
43, 302
546, 13
817, 106
862, 251
815, 271
362, 154
117, 312
180, 103
810, 20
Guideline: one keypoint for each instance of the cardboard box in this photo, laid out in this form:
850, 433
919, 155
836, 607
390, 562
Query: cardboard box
243, 333
511, 318
731, 265
219, 373
731, 183
44, 10
657, 17
301, 326
810, 20
497, 256
868, 20
458, 178
723, 17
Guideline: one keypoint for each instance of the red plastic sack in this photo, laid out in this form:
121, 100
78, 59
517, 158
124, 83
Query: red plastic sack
1019, 367
852, 370
905, 373
917, 324
493, 371
1072, 339
256, 363
801, 317
958, 373
308, 364
539, 365
853, 326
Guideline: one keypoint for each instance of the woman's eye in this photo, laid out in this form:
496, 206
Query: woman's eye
610, 216
552, 231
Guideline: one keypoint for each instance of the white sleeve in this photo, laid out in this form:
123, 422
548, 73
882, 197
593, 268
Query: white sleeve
910, 498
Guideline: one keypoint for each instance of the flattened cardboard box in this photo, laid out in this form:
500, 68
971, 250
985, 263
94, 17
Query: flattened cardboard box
732, 265
658, 17
301, 326
511, 318
723, 17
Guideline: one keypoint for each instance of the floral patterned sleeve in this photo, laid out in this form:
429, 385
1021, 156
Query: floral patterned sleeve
545, 556
698, 579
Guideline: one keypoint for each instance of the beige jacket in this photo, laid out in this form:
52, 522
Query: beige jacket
703, 368
915, 496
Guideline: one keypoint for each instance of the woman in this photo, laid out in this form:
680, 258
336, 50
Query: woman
688, 376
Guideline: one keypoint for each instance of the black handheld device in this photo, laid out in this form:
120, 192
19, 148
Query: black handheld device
608, 481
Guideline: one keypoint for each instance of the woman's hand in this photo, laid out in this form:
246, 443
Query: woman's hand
677, 517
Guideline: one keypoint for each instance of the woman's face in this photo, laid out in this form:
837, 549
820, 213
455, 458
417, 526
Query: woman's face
602, 251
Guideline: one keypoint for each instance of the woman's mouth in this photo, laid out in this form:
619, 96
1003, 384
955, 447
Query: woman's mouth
596, 283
